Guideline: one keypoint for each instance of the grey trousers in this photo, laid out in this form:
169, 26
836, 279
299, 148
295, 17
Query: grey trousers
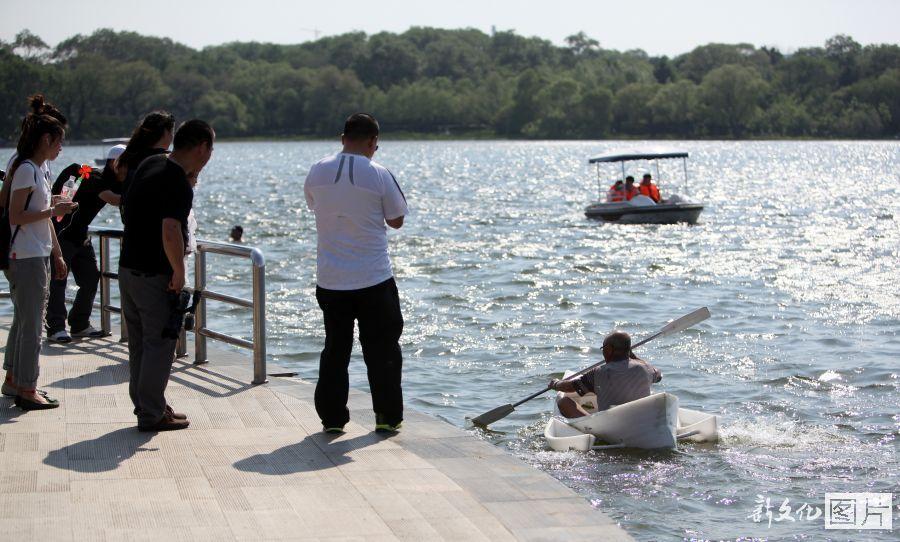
29, 279
145, 307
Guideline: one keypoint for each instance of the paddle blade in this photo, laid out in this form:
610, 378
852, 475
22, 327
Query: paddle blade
492, 416
685, 322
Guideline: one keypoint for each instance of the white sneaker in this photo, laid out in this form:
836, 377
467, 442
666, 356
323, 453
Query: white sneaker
60, 337
89, 332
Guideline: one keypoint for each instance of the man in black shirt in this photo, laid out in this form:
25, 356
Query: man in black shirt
93, 194
152, 269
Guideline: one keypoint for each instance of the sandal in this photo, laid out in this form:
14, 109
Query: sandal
10, 390
28, 404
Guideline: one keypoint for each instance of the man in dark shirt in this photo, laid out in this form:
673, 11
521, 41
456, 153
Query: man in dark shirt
622, 379
152, 269
93, 194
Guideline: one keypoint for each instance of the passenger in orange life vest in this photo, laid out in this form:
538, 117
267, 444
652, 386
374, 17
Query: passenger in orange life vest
616, 192
649, 189
630, 190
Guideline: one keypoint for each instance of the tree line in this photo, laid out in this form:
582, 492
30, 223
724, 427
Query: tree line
458, 82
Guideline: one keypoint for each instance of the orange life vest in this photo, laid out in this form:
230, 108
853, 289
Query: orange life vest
630, 193
650, 190
615, 194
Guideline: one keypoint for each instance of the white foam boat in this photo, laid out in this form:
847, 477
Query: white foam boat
653, 422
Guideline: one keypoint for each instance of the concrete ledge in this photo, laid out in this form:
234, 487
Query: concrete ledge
254, 465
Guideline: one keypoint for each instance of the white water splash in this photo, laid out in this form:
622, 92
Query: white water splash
773, 433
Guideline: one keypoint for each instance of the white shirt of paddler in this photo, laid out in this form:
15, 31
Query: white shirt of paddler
351, 197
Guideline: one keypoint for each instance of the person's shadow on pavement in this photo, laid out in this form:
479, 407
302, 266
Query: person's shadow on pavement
104, 453
315, 452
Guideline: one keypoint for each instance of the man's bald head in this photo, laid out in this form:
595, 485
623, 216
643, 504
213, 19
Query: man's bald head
616, 345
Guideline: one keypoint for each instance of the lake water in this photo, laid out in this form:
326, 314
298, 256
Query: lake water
504, 283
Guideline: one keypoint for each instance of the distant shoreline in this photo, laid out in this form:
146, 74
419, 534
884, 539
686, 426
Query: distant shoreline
404, 136
440, 84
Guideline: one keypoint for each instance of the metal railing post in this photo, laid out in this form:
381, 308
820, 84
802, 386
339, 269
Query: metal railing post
259, 317
200, 314
105, 322
181, 345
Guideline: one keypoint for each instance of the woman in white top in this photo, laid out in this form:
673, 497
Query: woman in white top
33, 244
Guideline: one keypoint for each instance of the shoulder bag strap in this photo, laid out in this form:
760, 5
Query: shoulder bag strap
27, 202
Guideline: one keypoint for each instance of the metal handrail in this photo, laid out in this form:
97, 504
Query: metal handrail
201, 332
258, 304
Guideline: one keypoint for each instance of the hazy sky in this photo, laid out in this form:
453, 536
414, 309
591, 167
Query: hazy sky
657, 26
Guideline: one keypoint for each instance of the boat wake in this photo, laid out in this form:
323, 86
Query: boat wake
768, 433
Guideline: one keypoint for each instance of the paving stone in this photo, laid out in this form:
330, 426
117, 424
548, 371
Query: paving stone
390, 504
324, 497
194, 489
267, 498
604, 533
37, 529
458, 528
267, 525
97, 492
366, 459
542, 513
488, 489
22, 442
414, 529
428, 448
228, 476
361, 521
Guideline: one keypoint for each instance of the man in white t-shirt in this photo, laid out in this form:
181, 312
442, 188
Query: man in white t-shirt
353, 199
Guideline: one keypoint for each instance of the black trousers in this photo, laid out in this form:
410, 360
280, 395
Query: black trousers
377, 311
82, 263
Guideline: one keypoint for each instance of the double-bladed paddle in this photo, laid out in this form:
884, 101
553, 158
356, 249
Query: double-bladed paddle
674, 326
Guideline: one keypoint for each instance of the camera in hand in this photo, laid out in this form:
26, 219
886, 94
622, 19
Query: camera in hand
181, 313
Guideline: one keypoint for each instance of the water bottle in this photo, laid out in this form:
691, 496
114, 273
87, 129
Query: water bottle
67, 192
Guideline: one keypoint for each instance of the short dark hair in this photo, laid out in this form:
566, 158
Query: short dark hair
359, 126
648, 176
620, 342
192, 133
629, 178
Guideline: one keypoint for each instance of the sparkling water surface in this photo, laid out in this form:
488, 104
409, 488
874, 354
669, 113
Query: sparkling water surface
505, 283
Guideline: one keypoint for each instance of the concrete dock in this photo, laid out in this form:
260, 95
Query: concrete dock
254, 465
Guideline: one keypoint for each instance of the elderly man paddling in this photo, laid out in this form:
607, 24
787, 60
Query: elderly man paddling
623, 378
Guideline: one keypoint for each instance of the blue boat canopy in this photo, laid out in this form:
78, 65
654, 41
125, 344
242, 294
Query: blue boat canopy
651, 154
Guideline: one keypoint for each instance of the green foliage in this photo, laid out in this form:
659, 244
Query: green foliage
223, 110
706, 58
18, 79
435, 81
675, 108
731, 97
633, 111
